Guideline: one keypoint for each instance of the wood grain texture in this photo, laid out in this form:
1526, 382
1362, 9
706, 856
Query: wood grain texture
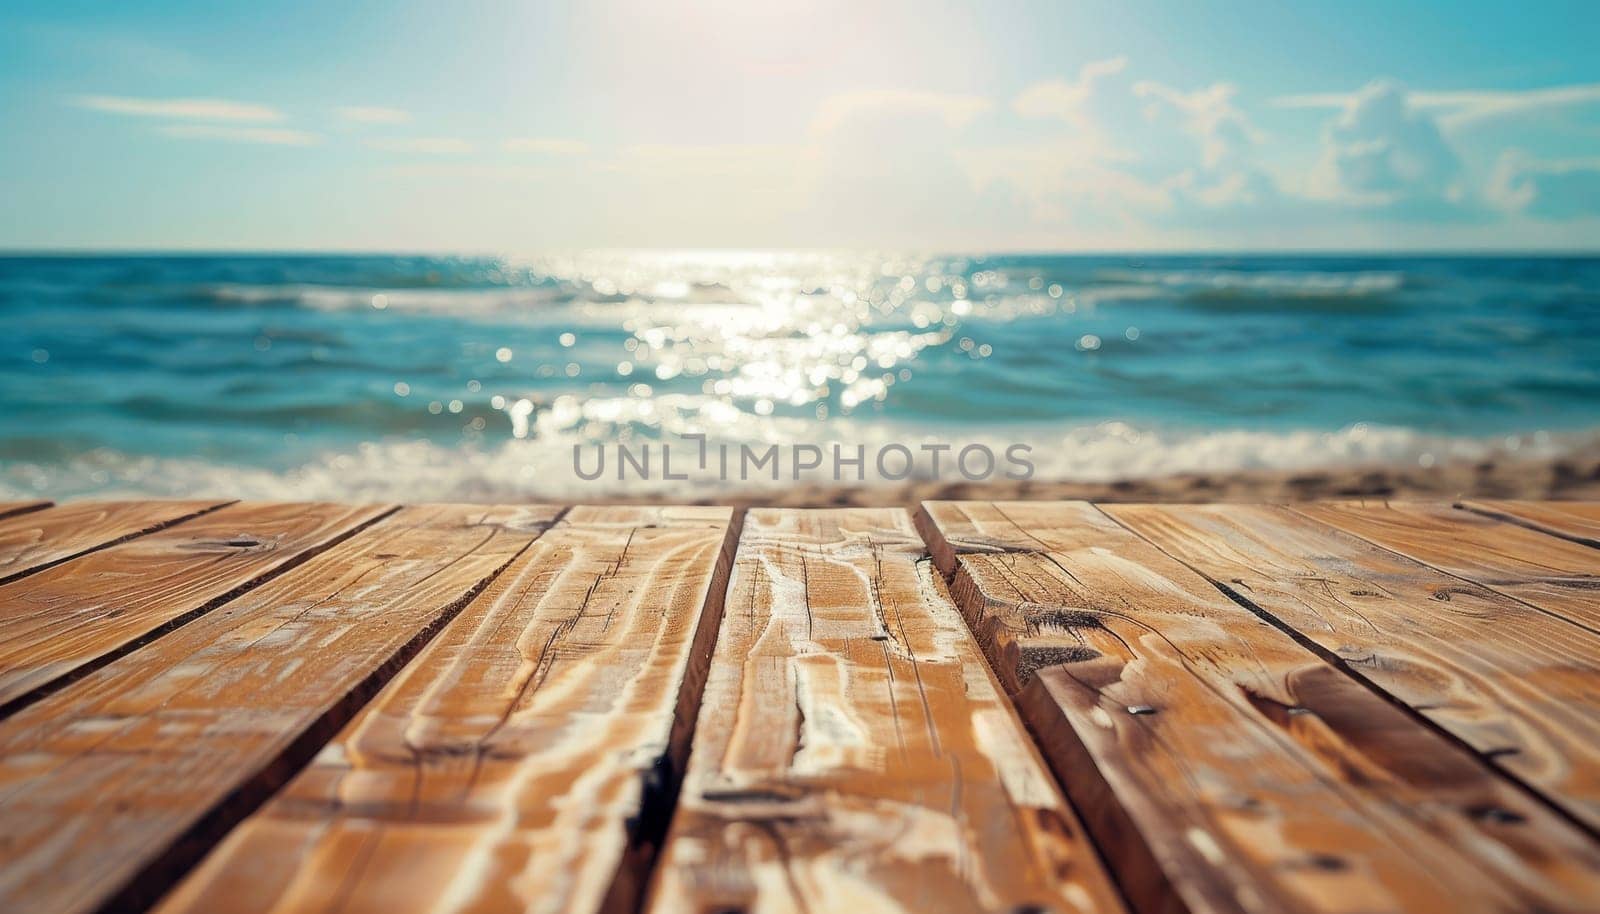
12, 508
1576, 520
36, 540
66, 618
1554, 574
112, 787
511, 766
1220, 764
1516, 684
853, 752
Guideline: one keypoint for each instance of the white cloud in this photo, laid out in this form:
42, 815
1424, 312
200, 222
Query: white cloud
1463, 108
1382, 149
1466, 108
1062, 180
428, 145
1062, 100
189, 109
1210, 141
1208, 114
854, 108
1077, 176
1567, 189
1092, 157
546, 146
373, 114
1175, 156
270, 136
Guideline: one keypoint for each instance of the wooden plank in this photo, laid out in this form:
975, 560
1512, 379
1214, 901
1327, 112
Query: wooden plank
524, 760
72, 617
1551, 573
1578, 521
34, 541
12, 508
1218, 762
853, 752
1516, 684
112, 787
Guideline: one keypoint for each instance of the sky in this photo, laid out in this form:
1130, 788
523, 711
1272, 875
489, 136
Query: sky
933, 125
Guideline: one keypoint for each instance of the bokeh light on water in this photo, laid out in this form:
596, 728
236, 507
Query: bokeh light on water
454, 377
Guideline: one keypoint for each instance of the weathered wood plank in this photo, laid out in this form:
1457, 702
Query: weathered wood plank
853, 752
71, 617
11, 508
36, 540
113, 786
1516, 684
1576, 520
1219, 761
1554, 574
519, 763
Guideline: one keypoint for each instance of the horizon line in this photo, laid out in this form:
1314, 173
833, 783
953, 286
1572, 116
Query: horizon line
134, 252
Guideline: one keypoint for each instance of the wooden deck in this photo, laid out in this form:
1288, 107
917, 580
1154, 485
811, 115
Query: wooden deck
1020, 707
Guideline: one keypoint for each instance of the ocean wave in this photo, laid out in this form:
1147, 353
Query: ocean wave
1249, 290
603, 301
1303, 283
541, 467
500, 303
287, 363
343, 298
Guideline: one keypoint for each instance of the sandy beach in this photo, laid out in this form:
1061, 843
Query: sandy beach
1575, 477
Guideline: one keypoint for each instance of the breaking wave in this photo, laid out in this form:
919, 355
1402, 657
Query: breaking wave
541, 468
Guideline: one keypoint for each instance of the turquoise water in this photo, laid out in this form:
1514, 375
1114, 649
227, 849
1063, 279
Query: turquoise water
445, 377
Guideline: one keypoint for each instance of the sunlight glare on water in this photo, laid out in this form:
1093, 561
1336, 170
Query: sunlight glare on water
464, 376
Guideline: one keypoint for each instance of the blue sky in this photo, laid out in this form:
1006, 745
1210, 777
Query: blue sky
517, 127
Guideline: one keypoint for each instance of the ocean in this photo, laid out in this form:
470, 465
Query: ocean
471, 378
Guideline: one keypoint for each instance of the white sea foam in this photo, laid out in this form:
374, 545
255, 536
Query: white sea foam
472, 379
459, 301
541, 467
1305, 283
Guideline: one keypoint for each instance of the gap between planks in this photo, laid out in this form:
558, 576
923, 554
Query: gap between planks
188, 748
1576, 521
857, 752
148, 586
1552, 574
1416, 637
1047, 641
14, 508
665, 802
35, 540
529, 758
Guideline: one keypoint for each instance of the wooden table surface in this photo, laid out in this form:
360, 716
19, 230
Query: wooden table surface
1019, 707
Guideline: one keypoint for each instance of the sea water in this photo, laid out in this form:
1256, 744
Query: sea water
436, 378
